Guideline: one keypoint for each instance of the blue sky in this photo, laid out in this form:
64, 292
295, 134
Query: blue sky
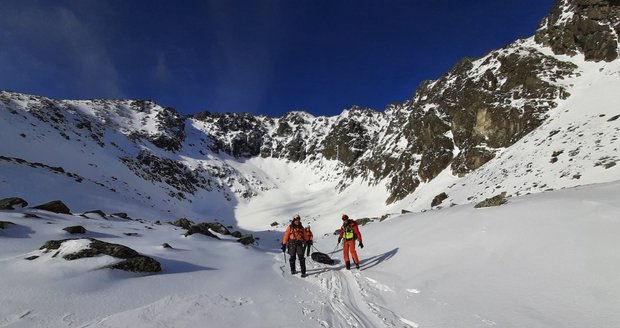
261, 57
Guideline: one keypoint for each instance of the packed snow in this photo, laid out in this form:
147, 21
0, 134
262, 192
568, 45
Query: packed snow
544, 260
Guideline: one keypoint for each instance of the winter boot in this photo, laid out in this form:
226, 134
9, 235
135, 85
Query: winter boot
348, 265
303, 267
357, 265
293, 271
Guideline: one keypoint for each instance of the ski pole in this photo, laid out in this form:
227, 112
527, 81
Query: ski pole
316, 249
335, 249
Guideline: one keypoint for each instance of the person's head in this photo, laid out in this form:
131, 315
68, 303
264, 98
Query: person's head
344, 217
297, 219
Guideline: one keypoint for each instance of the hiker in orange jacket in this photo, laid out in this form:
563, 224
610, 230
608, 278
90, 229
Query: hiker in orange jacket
308, 236
294, 238
350, 232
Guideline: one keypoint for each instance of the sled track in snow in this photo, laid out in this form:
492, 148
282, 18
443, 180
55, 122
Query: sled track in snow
342, 298
345, 302
349, 304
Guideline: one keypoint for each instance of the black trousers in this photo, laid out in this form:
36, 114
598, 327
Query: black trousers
296, 249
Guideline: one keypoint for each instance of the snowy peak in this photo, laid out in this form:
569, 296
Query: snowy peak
452, 126
589, 27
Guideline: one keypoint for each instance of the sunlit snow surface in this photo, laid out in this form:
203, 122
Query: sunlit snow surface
544, 260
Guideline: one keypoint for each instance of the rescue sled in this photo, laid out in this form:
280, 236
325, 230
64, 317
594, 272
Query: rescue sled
322, 258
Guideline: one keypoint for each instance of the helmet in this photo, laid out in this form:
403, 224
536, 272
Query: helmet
345, 217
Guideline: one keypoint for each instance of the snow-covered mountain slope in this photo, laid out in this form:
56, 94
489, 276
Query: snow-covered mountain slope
543, 260
538, 114
576, 145
112, 152
139, 152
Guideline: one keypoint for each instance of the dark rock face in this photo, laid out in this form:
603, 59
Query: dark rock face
201, 228
170, 126
139, 263
247, 131
493, 201
55, 206
439, 199
217, 227
182, 223
55, 170
582, 26
75, 230
164, 170
468, 109
349, 138
247, 240
10, 203
134, 262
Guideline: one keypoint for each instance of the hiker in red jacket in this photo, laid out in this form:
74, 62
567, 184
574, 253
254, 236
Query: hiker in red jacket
350, 233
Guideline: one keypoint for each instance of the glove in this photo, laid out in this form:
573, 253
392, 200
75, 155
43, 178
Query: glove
309, 242
339, 239
283, 248
361, 245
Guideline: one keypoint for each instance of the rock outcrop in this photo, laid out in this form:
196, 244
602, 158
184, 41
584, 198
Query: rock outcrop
11, 203
55, 206
589, 27
132, 260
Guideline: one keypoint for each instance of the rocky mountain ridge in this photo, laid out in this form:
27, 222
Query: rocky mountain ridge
458, 123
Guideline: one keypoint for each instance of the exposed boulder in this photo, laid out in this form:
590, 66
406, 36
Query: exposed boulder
55, 206
139, 263
74, 230
10, 203
364, 221
201, 228
133, 261
247, 240
493, 201
182, 223
217, 227
439, 199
